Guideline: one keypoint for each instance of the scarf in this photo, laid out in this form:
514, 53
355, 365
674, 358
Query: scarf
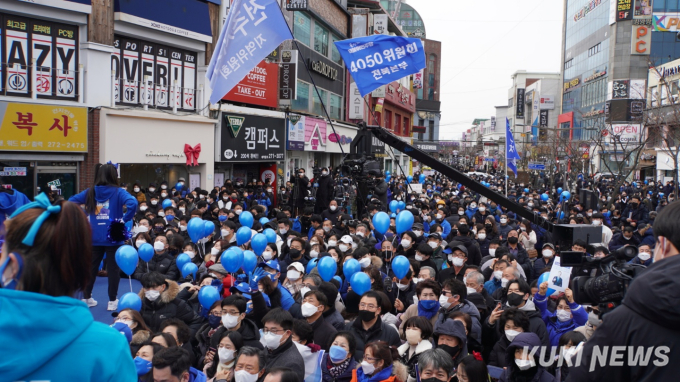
337, 370
428, 313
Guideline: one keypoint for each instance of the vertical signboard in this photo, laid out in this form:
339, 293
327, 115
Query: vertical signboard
380, 24
543, 118
641, 41
519, 109
288, 75
355, 102
624, 10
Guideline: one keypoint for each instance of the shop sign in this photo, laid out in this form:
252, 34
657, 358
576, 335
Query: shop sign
670, 71
296, 132
288, 75
625, 133
324, 69
595, 75
586, 9
624, 10
377, 146
543, 118
13, 171
418, 79
252, 138
315, 134
620, 89
30, 127
593, 113
296, 5
641, 41
570, 85
427, 147
258, 87
547, 103
380, 24
666, 22
643, 10
356, 102
519, 111
339, 139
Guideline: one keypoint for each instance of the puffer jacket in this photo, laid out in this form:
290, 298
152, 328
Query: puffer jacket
168, 306
163, 263
534, 374
469, 308
396, 372
411, 361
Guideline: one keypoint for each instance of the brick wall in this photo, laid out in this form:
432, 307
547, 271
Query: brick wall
331, 12
86, 178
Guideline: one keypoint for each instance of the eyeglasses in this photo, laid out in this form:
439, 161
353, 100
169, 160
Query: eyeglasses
217, 313
273, 331
363, 305
370, 359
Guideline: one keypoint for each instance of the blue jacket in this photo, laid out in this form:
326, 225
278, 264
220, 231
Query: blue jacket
110, 202
492, 285
10, 203
287, 299
56, 339
648, 239
446, 228
196, 376
554, 326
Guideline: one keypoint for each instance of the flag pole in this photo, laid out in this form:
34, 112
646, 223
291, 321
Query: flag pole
506, 157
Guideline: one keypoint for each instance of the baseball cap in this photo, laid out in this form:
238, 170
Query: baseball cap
346, 239
219, 268
241, 287
124, 330
548, 245
273, 264
298, 267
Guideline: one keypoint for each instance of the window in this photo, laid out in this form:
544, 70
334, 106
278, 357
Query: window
321, 39
302, 30
335, 55
388, 119
654, 91
405, 130
430, 94
421, 122
569, 64
302, 101
595, 49
336, 106
317, 108
431, 63
431, 130
397, 124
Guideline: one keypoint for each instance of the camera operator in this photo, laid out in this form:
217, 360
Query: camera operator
648, 318
324, 192
301, 186
380, 189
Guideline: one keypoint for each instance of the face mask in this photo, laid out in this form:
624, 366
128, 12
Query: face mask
337, 354
597, 222
444, 302
182, 228
413, 336
333, 208
473, 206
272, 341
512, 240
304, 290
331, 243
402, 287
498, 274
440, 216
229, 321
355, 245
283, 231
191, 254
461, 213
292, 275
154, 202
418, 233
152, 295
503, 221
343, 247
267, 255
492, 251
201, 196
314, 254
471, 290
159, 246
182, 209
308, 309
504, 282
563, 315
523, 364
419, 257
244, 376
644, 256
515, 299
327, 229
225, 355
366, 315
481, 236
547, 253
451, 350
127, 322
160, 213
511, 334
214, 251
406, 243
433, 244
139, 243
367, 368
458, 262
143, 366
364, 261
165, 195
361, 234
214, 321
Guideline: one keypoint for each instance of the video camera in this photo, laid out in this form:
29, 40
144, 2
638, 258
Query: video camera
362, 167
609, 277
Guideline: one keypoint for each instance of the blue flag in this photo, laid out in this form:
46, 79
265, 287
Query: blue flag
377, 60
254, 28
511, 154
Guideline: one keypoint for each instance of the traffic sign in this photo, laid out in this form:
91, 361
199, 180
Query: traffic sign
536, 166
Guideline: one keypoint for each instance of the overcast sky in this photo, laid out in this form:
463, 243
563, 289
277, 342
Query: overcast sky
483, 43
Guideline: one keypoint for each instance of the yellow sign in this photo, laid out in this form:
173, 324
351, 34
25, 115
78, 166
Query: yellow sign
31, 127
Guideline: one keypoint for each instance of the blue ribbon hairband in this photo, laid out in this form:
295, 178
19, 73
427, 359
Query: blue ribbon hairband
41, 201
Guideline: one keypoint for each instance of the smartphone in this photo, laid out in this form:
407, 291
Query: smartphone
213, 350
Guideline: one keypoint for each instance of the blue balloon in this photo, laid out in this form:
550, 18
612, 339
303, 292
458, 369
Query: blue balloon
394, 205
208, 228
264, 221
400, 266
259, 243
338, 278
351, 267
146, 252
167, 203
127, 259
387, 173
243, 235
544, 278
526, 190
246, 219
249, 261
381, 222
566, 195
179, 186
404, 221
327, 268
182, 260
388, 178
311, 265
231, 261
402, 205
360, 283
207, 296
130, 300
559, 190
409, 179
189, 269
545, 197
270, 234
196, 229
422, 178
646, 182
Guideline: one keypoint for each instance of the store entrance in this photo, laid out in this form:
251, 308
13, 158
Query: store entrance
62, 179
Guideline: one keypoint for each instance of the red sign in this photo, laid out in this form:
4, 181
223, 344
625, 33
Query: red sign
400, 96
268, 173
259, 87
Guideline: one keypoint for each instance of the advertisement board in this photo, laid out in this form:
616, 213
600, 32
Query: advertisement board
258, 87
252, 138
641, 40
625, 133
519, 106
546, 102
288, 75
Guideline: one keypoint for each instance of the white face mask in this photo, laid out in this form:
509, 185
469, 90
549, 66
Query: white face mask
127, 322
503, 221
461, 213
308, 310
332, 243
136, 189
226, 355
471, 290
644, 256
154, 202
343, 247
333, 208
267, 255
293, 275
402, 287
272, 341
143, 208
225, 232
511, 334
547, 253
164, 187
418, 233
368, 368
313, 254
364, 262
504, 282
151, 189
152, 295
182, 228
440, 216
481, 236
244, 376
327, 229
229, 321
458, 262
191, 254
159, 246
214, 251
523, 364
482, 209
360, 234
139, 243
182, 210
433, 244
160, 213
563, 315
498, 274
406, 243
597, 222
419, 258
283, 231
444, 302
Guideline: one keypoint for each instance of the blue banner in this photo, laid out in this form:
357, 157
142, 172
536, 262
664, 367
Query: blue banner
254, 28
511, 154
377, 60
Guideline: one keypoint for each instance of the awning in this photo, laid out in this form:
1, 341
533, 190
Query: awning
186, 18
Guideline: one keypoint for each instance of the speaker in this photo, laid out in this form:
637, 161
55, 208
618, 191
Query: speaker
588, 199
564, 235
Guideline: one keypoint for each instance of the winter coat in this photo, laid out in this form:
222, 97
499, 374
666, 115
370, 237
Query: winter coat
324, 333
405, 296
539, 265
287, 355
412, 311
380, 192
396, 372
110, 201
619, 241
523, 340
333, 317
140, 196
450, 273
380, 331
554, 326
326, 364
248, 330
411, 360
324, 192
474, 256
649, 317
163, 263
452, 328
168, 306
466, 307
497, 355
640, 215
327, 214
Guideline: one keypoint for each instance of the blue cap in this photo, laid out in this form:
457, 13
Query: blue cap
241, 287
273, 264
124, 330
447, 250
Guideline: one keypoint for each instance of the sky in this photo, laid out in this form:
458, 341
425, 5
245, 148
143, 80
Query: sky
483, 44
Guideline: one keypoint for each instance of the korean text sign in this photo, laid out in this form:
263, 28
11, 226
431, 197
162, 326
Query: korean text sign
380, 59
30, 127
252, 138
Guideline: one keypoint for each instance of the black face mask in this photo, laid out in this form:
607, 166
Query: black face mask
294, 253
515, 299
633, 205
388, 255
393, 228
488, 226
512, 240
451, 350
365, 315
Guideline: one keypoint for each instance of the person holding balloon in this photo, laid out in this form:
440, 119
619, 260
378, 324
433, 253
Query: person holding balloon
162, 261
568, 316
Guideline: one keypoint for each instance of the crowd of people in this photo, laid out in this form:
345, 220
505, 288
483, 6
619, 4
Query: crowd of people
469, 305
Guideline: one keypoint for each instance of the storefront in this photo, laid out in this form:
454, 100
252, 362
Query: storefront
250, 145
42, 146
153, 147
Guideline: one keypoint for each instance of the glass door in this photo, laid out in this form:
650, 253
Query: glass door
62, 180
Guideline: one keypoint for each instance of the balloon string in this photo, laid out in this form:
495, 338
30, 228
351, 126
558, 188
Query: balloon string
130, 278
